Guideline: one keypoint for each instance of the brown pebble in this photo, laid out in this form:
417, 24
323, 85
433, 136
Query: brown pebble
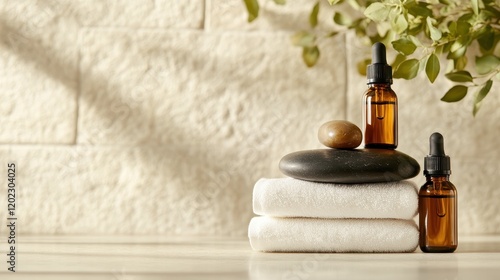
340, 135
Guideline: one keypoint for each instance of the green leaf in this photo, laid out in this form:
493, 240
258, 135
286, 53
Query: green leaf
415, 28
432, 67
459, 76
435, 33
310, 55
475, 6
480, 95
455, 94
491, 8
361, 66
408, 69
460, 63
484, 91
458, 48
487, 40
404, 46
462, 27
360, 31
447, 47
313, 18
280, 2
253, 9
484, 15
399, 58
377, 12
341, 19
457, 45
452, 27
486, 64
469, 17
415, 41
418, 9
457, 53
304, 39
333, 2
400, 24
331, 34
480, 31
438, 50
421, 65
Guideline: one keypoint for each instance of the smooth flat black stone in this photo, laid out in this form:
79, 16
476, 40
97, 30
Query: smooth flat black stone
349, 166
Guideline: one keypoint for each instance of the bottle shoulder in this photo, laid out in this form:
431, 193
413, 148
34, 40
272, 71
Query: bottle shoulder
438, 188
383, 93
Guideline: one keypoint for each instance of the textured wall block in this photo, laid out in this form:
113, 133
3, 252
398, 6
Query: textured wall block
222, 91
142, 13
98, 190
38, 74
293, 16
471, 142
110, 13
228, 106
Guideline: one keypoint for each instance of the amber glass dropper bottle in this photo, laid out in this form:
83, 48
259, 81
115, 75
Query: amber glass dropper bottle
437, 202
380, 103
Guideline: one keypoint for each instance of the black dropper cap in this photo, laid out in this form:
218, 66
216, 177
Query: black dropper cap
379, 72
437, 162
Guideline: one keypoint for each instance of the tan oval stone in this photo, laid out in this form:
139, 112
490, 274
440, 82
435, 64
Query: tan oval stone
340, 135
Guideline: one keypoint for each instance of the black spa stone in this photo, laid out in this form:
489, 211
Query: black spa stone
349, 166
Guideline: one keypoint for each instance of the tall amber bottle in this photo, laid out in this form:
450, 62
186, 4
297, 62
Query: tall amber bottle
437, 204
380, 103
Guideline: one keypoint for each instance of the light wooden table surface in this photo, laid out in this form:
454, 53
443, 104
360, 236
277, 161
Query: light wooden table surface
161, 257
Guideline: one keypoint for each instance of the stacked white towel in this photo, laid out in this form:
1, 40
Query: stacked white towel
302, 216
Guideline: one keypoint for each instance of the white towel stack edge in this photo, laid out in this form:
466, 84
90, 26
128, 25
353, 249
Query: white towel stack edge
288, 197
270, 234
303, 216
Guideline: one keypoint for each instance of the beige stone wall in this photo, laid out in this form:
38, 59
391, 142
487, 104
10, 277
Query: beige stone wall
158, 116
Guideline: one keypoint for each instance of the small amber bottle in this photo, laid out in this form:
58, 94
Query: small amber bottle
437, 204
380, 103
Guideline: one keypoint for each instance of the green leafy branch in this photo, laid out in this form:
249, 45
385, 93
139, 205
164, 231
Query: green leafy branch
421, 32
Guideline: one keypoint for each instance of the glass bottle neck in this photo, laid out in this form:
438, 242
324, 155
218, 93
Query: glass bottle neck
381, 86
437, 178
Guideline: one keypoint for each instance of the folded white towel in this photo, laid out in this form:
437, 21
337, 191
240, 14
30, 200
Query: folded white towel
332, 235
288, 197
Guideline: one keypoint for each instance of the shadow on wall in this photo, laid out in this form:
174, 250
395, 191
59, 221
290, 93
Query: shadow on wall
117, 109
